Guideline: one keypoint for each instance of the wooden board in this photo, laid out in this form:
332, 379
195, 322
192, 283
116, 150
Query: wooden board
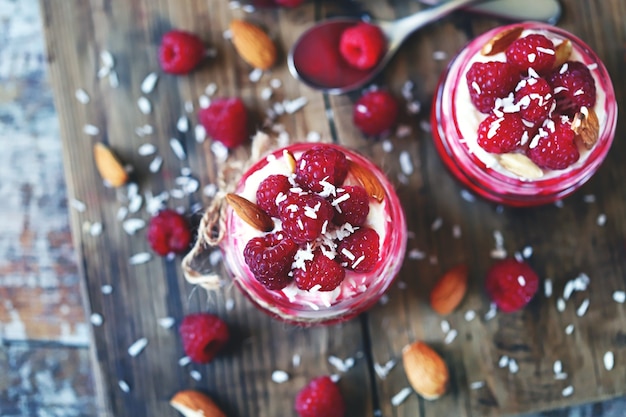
565, 241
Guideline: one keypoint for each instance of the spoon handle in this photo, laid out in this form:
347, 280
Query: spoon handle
396, 31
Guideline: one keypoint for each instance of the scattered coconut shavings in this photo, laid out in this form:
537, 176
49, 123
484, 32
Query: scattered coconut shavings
403, 131
106, 289
137, 347
493, 310
114, 80
335, 378
280, 377
255, 75
503, 362
582, 309
470, 315
295, 360
166, 322
498, 252
103, 72
135, 203
619, 297
436, 225
601, 220
140, 258
188, 106
341, 365
580, 283
195, 375
383, 370
107, 59
178, 149
123, 386
219, 150
146, 149
452, 334
148, 83
401, 396
96, 319
292, 106
569, 329
313, 137
560, 305
513, 366
477, 385
414, 107
609, 360
468, 196
131, 226
406, 164
445, 326
557, 367
95, 229
589, 198
184, 361
91, 130
547, 287
204, 101
78, 205
82, 96
144, 130
182, 124
387, 145
440, 55
559, 204
144, 105
568, 391
527, 252
156, 163
456, 231
122, 212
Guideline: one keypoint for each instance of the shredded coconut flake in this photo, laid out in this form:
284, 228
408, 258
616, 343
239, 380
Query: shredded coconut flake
96, 319
280, 377
123, 386
195, 375
609, 360
82, 96
470, 315
477, 385
568, 391
144, 105
582, 309
140, 258
619, 297
569, 329
452, 334
137, 347
401, 396
184, 361
178, 149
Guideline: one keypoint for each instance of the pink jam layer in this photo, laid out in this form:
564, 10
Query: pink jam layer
357, 292
455, 122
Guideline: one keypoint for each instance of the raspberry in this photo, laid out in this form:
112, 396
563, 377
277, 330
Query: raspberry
289, 3
375, 112
320, 398
226, 120
362, 45
574, 87
554, 147
354, 209
203, 335
533, 51
271, 191
269, 258
511, 284
322, 271
534, 95
180, 52
502, 134
304, 216
168, 232
321, 163
359, 251
488, 81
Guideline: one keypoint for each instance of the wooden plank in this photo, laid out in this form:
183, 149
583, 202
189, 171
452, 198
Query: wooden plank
240, 380
534, 337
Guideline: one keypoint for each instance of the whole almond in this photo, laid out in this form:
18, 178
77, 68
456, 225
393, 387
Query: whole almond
520, 165
195, 404
501, 41
253, 44
250, 212
110, 168
368, 180
449, 290
426, 371
562, 53
586, 126
290, 160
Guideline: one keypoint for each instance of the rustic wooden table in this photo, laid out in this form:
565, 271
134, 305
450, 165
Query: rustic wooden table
447, 226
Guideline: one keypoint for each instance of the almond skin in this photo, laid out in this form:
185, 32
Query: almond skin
368, 180
426, 371
110, 168
250, 213
253, 44
449, 290
586, 126
195, 404
562, 52
501, 41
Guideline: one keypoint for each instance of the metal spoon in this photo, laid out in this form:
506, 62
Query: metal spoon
315, 60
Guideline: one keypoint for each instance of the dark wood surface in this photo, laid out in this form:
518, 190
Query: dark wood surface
565, 241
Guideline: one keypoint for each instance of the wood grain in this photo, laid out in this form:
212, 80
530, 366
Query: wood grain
565, 241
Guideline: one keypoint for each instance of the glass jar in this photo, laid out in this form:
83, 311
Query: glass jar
358, 291
455, 122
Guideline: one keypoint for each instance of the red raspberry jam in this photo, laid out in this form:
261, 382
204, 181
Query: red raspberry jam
476, 116
339, 269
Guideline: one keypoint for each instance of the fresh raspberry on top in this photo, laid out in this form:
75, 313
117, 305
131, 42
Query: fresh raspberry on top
375, 112
203, 335
352, 205
554, 146
534, 95
168, 232
289, 3
180, 52
269, 258
488, 81
574, 87
511, 284
226, 120
272, 192
359, 251
321, 163
321, 272
305, 216
502, 134
320, 398
362, 45
533, 51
